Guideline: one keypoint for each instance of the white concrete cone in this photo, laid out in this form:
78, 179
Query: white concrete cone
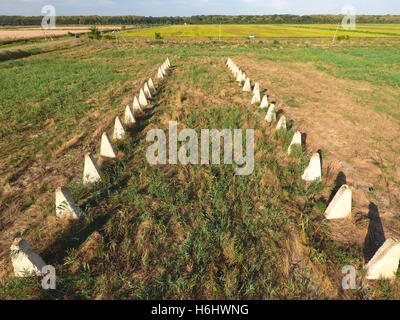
243, 79
256, 88
91, 171
160, 74
385, 262
151, 85
119, 130
313, 171
106, 148
142, 99
169, 63
65, 206
281, 123
247, 85
264, 102
271, 114
164, 72
239, 76
340, 206
256, 98
146, 90
136, 104
235, 73
296, 140
129, 117
24, 260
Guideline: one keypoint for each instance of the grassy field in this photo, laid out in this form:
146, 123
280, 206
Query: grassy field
198, 232
270, 31
8, 34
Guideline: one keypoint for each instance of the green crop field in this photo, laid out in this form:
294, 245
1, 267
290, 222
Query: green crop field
269, 31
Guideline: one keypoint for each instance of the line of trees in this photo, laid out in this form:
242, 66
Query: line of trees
204, 19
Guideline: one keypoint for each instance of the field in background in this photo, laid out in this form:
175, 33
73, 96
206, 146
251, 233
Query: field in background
29, 33
198, 232
269, 31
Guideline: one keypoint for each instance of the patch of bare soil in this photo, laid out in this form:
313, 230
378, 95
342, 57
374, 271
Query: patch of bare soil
347, 132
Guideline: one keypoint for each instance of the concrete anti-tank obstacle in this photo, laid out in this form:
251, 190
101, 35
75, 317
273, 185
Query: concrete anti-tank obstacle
151, 85
313, 171
142, 99
106, 148
91, 171
235, 72
296, 140
264, 102
65, 206
281, 123
340, 206
239, 76
163, 70
256, 98
256, 88
271, 114
160, 74
24, 260
146, 90
247, 85
119, 130
168, 63
129, 117
385, 262
136, 104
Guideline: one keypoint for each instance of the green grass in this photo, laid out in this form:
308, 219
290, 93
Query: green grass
375, 65
167, 232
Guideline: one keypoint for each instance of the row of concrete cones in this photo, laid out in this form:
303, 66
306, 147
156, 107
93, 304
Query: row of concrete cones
24, 260
385, 262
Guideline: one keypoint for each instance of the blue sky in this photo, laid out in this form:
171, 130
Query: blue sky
196, 7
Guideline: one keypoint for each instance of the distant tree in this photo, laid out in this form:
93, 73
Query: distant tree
211, 19
94, 33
